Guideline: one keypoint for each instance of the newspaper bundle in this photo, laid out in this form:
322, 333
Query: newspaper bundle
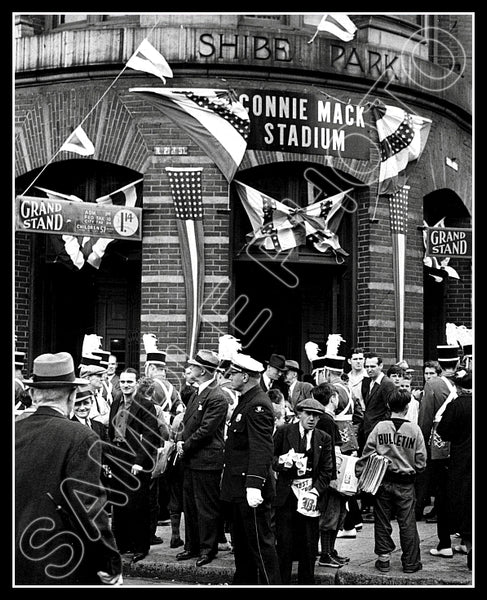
373, 473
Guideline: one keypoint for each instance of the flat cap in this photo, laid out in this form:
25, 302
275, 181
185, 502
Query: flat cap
310, 405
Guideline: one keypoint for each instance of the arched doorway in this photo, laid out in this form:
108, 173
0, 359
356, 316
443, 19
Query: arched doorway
284, 300
441, 204
68, 302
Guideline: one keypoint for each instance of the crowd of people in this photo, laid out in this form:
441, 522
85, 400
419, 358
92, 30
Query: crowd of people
238, 448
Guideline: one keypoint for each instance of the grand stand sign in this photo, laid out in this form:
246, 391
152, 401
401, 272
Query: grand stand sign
443, 242
53, 216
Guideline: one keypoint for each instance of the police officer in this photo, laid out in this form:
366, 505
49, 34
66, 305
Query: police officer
247, 480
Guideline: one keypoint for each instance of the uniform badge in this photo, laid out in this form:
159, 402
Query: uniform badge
259, 409
200, 407
238, 418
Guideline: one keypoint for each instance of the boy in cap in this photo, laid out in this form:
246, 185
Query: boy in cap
57, 463
247, 480
304, 465
402, 442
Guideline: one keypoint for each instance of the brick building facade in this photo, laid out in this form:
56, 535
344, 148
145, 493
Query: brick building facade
140, 287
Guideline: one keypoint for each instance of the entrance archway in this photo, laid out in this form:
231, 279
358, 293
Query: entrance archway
283, 301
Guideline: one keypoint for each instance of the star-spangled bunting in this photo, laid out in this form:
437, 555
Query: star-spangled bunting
214, 119
398, 214
186, 189
402, 138
279, 227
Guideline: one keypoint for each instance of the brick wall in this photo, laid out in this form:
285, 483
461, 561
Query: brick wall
22, 291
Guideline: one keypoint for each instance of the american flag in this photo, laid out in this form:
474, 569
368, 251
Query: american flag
213, 119
186, 189
398, 214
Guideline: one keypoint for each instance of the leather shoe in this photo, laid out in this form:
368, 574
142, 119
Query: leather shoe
185, 555
139, 556
176, 543
204, 559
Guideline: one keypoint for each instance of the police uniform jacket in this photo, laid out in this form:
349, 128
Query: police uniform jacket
142, 434
203, 429
322, 469
249, 447
58, 456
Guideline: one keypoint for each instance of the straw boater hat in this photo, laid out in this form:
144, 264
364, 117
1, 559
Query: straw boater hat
54, 370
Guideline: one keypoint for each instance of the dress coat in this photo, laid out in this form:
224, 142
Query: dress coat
322, 469
375, 401
249, 447
55, 455
203, 429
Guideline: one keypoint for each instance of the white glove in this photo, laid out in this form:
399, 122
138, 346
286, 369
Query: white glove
136, 469
254, 497
107, 579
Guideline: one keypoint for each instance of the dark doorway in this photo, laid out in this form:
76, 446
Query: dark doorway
277, 312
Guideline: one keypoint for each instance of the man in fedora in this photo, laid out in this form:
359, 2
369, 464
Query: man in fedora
272, 377
201, 450
297, 390
62, 532
248, 480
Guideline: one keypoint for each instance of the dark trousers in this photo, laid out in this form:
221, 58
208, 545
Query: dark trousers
354, 514
439, 488
131, 503
254, 547
297, 535
202, 510
400, 498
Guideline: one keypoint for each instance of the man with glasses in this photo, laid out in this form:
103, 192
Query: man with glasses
134, 435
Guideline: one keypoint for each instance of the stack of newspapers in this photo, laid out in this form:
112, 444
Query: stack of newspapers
373, 473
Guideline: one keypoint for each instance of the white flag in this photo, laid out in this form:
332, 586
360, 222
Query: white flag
147, 58
79, 142
338, 24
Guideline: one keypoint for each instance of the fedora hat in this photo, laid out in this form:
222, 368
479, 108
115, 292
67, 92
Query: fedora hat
206, 359
293, 365
278, 361
54, 370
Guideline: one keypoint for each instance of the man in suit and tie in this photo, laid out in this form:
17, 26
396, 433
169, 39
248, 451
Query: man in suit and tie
297, 390
376, 388
272, 377
297, 521
375, 392
201, 450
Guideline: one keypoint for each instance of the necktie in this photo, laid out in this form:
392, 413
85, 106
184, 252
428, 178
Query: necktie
302, 443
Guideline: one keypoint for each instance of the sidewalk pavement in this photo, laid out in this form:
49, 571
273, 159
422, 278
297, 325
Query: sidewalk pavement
161, 564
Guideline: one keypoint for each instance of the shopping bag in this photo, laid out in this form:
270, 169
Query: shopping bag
164, 455
346, 481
